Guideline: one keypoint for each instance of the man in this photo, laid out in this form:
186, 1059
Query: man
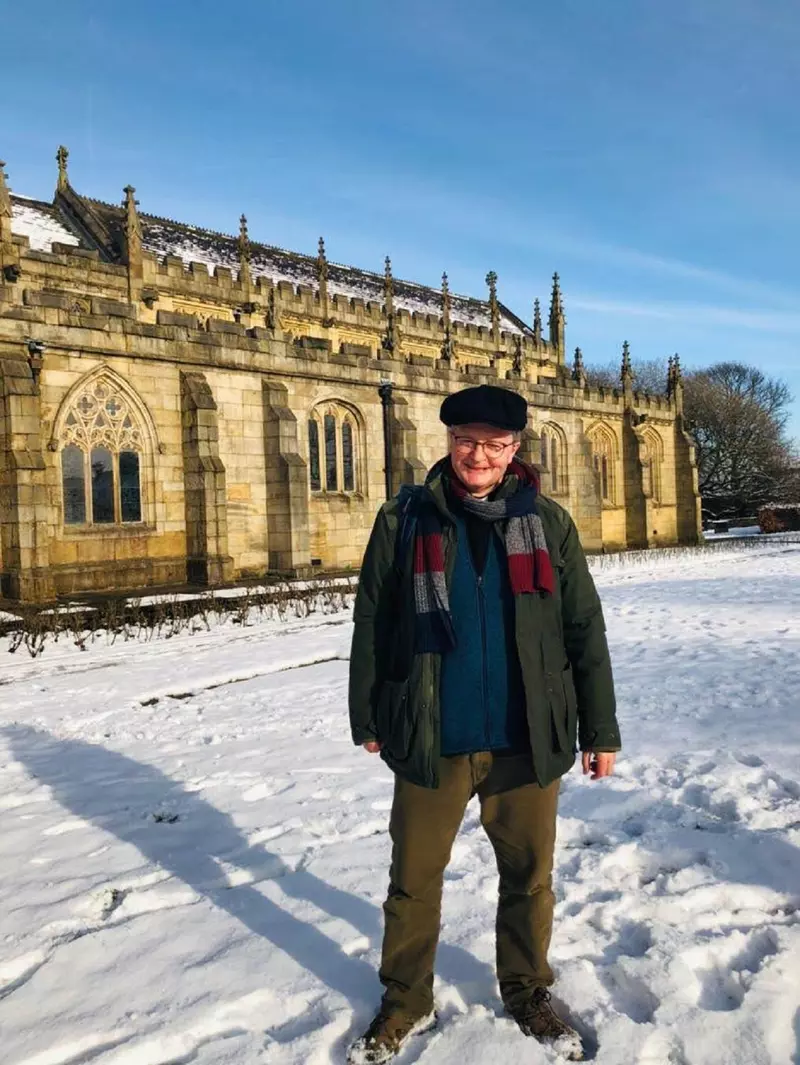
479, 656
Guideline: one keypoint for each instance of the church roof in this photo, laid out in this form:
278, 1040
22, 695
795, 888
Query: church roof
40, 222
191, 244
83, 219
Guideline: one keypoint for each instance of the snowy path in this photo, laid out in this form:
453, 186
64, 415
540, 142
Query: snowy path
194, 855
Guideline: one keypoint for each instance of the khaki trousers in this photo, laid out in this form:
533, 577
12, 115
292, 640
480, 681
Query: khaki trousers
520, 819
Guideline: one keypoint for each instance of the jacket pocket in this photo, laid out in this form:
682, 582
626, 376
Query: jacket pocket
571, 700
393, 718
563, 711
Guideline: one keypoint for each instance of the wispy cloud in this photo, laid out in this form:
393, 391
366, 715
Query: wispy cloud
759, 319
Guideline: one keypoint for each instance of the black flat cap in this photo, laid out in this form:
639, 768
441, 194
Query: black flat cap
488, 405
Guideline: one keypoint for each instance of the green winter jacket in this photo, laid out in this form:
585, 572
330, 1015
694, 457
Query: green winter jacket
561, 642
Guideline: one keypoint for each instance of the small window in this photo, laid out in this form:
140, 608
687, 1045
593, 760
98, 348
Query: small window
73, 479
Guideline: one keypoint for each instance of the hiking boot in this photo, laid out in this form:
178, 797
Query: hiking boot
387, 1035
536, 1017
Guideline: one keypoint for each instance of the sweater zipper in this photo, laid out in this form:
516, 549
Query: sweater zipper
484, 663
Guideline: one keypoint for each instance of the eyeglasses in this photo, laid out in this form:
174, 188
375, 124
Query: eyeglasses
493, 449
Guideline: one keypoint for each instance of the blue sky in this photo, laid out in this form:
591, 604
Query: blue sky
647, 151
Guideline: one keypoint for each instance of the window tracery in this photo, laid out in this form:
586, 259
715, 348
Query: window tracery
102, 443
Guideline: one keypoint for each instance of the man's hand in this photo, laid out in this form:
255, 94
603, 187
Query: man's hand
598, 763
372, 746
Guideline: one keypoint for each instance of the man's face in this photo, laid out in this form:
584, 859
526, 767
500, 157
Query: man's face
480, 455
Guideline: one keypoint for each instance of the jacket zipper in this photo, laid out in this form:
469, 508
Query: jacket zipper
484, 663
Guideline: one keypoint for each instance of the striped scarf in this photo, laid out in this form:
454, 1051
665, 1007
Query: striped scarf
529, 566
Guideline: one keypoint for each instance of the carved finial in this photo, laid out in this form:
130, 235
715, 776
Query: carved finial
557, 321
245, 277
391, 338
556, 302
322, 277
626, 371
133, 244
130, 203
578, 372
5, 215
5, 199
537, 323
675, 382
61, 158
447, 346
519, 358
244, 240
494, 307
272, 311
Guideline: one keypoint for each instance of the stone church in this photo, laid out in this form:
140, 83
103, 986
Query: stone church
179, 405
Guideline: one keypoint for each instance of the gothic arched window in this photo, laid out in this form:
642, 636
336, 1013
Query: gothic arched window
334, 448
604, 455
554, 457
102, 442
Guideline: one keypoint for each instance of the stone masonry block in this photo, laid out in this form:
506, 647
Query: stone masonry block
37, 298
187, 321
220, 326
113, 308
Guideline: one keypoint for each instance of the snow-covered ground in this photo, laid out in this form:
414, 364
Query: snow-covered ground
193, 854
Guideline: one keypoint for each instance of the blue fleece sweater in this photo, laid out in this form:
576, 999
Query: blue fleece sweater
482, 697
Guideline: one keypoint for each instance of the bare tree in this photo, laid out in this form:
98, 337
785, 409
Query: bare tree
737, 416
649, 375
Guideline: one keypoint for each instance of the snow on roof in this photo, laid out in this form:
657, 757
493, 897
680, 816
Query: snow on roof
40, 223
191, 244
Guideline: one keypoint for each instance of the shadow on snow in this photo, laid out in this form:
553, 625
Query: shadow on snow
116, 794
